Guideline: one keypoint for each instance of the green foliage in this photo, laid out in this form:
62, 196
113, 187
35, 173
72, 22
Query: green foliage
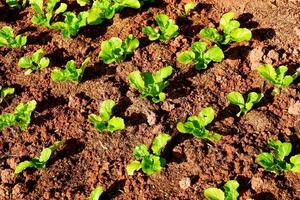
104, 121
100, 11
121, 4
188, 7
275, 161
200, 55
8, 38
116, 50
149, 163
43, 16
16, 3
195, 125
20, 117
40, 162
237, 98
36, 62
96, 193
277, 77
71, 73
4, 92
230, 193
151, 84
167, 29
83, 2
72, 24
231, 29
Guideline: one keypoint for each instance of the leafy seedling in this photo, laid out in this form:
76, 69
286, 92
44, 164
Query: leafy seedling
149, 162
16, 3
151, 84
188, 7
72, 24
96, 193
200, 55
277, 77
40, 162
230, 192
71, 73
36, 62
8, 38
20, 117
119, 5
167, 29
4, 92
195, 125
231, 30
44, 16
275, 161
100, 11
237, 98
116, 50
104, 121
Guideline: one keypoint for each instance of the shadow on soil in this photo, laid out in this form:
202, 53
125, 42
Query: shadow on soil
114, 190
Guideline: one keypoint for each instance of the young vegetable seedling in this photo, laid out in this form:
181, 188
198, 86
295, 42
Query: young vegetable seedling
104, 121
188, 7
277, 77
20, 117
237, 98
231, 29
167, 29
36, 62
151, 84
149, 162
4, 92
96, 193
195, 125
16, 3
40, 162
200, 55
100, 11
119, 5
72, 24
42, 17
116, 50
71, 73
230, 192
276, 161
8, 38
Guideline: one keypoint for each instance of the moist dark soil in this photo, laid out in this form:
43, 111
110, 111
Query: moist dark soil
91, 158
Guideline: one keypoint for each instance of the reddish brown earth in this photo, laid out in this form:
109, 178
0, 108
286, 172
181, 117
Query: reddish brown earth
90, 158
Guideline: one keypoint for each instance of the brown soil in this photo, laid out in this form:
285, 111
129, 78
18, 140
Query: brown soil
90, 158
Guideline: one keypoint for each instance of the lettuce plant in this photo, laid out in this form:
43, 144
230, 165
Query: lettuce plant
231, 30
116, 50
5, 91
96, 193
36, 62
71, 73
8, 38
195, 125
230, 192
200, 55
104, 121
276, 160
167, 29
100, 11
20, 116
151, 84
188, 7
16, 3
40, 162
237, 98
72, 23
121, 4
149, 162
43, 16
277, 77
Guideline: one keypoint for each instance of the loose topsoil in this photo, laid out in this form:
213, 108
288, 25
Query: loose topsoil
91, 158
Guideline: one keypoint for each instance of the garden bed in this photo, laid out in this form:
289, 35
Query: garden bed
90, 158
